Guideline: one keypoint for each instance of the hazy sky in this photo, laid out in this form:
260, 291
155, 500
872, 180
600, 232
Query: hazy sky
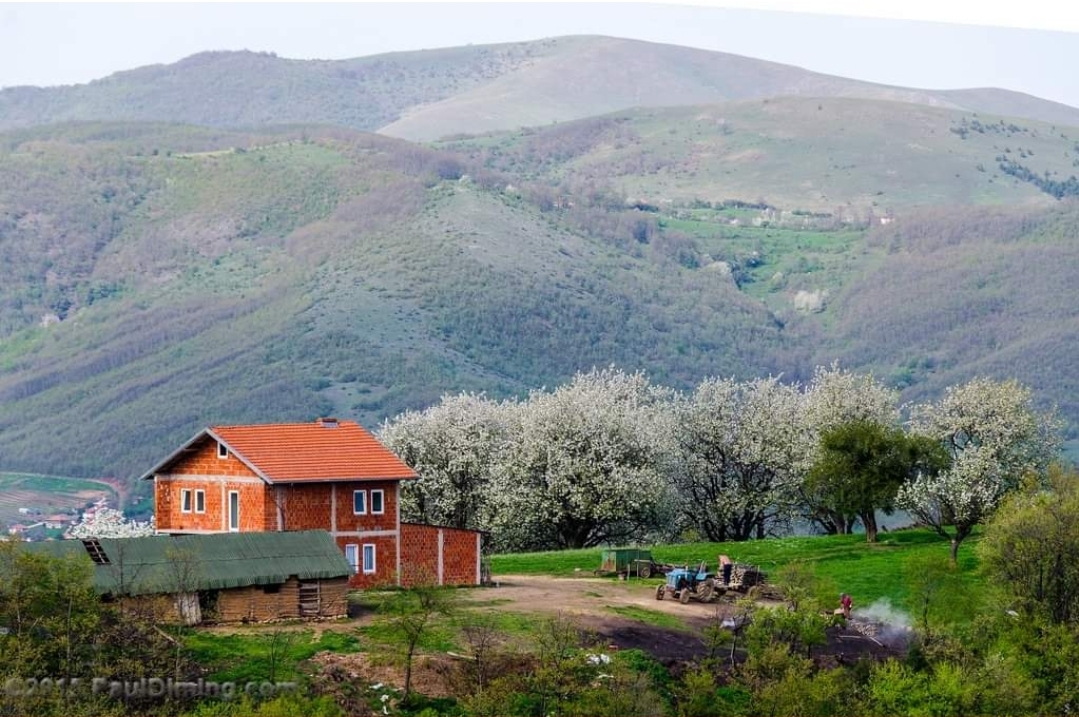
65, 43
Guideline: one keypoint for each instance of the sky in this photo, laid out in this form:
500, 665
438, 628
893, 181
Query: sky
1030, 46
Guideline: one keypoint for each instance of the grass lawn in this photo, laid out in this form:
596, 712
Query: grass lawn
262, 653
844, 562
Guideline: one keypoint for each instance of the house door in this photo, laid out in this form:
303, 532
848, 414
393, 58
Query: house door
234, 511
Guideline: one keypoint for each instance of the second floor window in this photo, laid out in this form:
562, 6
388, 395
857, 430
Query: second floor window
377, 506
359, 502
185, 501
200, 501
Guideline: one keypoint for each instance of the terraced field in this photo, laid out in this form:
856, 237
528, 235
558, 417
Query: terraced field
47, 494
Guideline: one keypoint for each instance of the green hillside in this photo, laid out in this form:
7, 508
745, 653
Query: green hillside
841, 156
429, 94
288, 276
160, 278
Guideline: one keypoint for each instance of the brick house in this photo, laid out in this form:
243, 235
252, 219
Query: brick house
327, 475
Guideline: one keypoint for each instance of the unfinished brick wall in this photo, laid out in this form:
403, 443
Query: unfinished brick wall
304, 506
168, 504
203, 470
449, 556
419, 553
385, 559
347, 520
203, 460
460, 556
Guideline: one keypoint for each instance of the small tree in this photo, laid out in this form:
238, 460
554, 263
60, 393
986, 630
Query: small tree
1031, 547
410, 616
834, 398
862, 464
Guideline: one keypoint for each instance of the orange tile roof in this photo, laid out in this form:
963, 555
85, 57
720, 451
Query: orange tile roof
312, 452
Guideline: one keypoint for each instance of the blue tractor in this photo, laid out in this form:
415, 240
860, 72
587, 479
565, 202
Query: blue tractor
684, 584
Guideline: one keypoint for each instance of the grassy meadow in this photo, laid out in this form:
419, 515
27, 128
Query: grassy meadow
841, 563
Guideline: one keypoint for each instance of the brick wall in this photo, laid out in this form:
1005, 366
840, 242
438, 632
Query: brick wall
347, 520
385, 560
256, 504
203, 470
305, 507
419, 553
203, 460
460, 556
421, 558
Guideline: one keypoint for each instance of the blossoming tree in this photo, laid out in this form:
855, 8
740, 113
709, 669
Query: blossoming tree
994, 437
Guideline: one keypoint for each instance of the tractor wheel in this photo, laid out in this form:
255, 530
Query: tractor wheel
683, 597
706, 591
661, 592
645, 571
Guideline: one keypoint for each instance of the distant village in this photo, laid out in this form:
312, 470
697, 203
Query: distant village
36, 526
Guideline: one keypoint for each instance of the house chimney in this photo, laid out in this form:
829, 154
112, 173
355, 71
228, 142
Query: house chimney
327, 422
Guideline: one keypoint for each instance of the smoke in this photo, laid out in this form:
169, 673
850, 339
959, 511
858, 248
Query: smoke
887, 624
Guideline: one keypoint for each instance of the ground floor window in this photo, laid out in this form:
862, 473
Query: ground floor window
352, 555
368, 558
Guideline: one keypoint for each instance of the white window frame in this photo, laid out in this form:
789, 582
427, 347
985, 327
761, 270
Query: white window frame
234, 517
200, 500
222, 450
363, 507
352, 555
369, 569
185, 500
381, 502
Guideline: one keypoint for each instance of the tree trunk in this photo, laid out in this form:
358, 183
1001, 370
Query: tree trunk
869, 520
955, 550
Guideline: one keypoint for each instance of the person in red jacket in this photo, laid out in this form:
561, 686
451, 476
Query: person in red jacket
845, 604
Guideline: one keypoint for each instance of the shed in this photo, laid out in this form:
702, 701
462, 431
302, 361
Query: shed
223, 577
620, 560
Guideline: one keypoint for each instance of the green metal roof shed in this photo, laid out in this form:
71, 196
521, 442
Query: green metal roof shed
170, 564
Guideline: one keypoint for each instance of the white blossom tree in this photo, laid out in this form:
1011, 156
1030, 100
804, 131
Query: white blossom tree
582, 468
739, 447
833, 398
994, 437
454, 447
109, 523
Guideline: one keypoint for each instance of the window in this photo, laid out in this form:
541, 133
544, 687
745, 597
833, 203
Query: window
377, 507
359, 502
234, 511
222, 450
352, 555
368, 558
185, 501
200, 501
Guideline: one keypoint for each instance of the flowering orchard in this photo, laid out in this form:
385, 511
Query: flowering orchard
610, 457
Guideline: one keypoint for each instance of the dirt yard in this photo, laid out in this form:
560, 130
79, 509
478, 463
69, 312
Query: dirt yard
591, 600
594, 604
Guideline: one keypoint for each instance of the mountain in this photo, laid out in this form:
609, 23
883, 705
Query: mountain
157, 278
429, 94
161, 278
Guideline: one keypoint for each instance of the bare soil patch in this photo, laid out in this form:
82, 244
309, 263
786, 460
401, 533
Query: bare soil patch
590, 599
